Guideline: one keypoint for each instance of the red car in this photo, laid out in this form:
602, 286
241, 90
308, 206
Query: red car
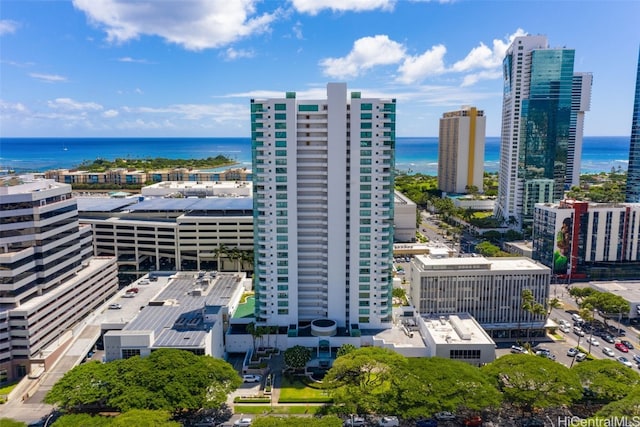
623, 348
473, 421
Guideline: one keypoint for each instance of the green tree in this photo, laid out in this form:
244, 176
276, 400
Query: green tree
487, 249
81, 420
399, 293
606, 379
628, 407
358, 378
168, 379
607, 303
345, 349
297, 357
434, 384
534, 382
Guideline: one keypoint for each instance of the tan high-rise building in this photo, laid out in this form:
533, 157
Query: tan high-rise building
461, 150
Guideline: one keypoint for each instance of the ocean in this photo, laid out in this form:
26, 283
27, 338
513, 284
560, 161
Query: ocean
413, 155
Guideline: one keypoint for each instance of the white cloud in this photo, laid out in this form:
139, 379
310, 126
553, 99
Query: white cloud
297, 30
8, 27
483, 57
415, 68
48, 78
193, 24
69, 104
313, 7
473, 78
232, 54
109, 114
216, 112
8, 107
366, 53
133, 60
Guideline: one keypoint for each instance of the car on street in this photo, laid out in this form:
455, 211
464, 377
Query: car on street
578, 331
621, 347
627, 344
608, 338
474, 421
565, 328
430, 422
636, 358
518, 349
115, 306
572, 352
576, 318
580, 357
608, 351
445, 416
355, 422
389, 421
243, 422
250, 378
594, 342
624, 361
128, 295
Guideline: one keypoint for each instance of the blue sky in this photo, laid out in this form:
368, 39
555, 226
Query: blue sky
189, 67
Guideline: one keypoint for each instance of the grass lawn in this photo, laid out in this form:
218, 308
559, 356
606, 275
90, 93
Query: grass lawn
288, 410
296, 390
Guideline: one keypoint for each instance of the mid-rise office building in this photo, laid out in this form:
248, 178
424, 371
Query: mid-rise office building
588, 241
49, 281
489, 289
461, 150
323, 209
633, 172
542, 121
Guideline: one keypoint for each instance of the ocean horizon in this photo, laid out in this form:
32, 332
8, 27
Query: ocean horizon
413, 154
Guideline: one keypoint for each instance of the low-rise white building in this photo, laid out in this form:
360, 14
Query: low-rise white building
189, 313
404, 218
490, 289
457, 337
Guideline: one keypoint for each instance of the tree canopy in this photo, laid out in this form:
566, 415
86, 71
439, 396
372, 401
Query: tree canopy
297, 357
534, 382
136, 417
607, 380
168, 379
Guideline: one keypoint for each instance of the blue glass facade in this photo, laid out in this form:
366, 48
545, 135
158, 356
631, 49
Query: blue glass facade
546, 119
633, 173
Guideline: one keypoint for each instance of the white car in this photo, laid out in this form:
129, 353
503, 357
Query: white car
243, 422
594, 342
445, 416
625, 361
355, 422
249, 378
518, 349
572, 352
578, 331
608, 352
565, 328
389, 421
580, 357
115, 306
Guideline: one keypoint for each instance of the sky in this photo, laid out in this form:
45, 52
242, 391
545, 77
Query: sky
188, 68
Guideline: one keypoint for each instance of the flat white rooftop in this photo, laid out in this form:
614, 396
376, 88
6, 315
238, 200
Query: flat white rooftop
479, 263
628, 289
459, 328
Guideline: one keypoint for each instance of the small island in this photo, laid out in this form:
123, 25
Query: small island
158, 163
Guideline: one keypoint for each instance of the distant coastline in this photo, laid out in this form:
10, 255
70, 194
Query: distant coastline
413, 154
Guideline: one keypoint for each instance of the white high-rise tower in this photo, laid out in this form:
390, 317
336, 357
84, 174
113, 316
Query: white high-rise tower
323, 209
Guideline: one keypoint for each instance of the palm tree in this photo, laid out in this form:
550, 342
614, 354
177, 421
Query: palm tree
532, 307
220, 251
235, 256
255, 333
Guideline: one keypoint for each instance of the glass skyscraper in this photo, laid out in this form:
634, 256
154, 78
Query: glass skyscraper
633, 174
542, 112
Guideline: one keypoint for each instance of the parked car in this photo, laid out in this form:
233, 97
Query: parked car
128, 295
475, 421
576, 318
133, 290
580, 357
608, 338
621, 347
518, 349
243, 422
594, 342
250, 378
578, 331
430, 422
625, 361
389, 421
115, 306
445, 416
565, 328
636, 358
355, 422
572, 352
627, 344
608, 351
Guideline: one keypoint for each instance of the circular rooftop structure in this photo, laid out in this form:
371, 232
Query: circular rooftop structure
324, 328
